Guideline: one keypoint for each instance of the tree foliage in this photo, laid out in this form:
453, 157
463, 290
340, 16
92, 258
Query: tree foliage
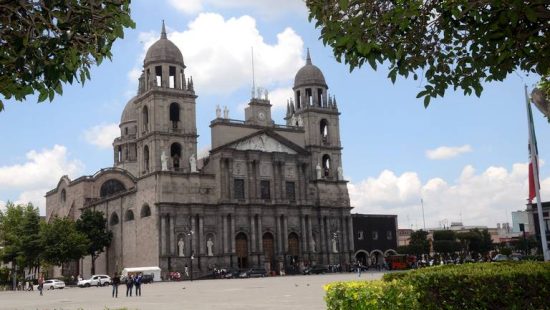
44, 44
458, 43
62, 242
20, 234
92, 224
419, 243
445, 241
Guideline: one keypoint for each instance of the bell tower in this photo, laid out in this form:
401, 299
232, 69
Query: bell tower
165, 111
313, 109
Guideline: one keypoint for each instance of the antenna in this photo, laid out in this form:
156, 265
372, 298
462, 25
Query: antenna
253, 78
423, 218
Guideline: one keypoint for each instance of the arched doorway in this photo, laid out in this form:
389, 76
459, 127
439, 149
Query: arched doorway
241, 246
293, 253
377, 258
269, 250
175, 154
361, 257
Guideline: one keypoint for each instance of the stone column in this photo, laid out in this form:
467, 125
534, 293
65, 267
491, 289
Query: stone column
310, 234
340, 235
260, 235
201, 236
172, 240
350, 233
303, 233
279, 246
194, 235
322, 238
225, 233
232, 233
162, 235
253, 233
285, 232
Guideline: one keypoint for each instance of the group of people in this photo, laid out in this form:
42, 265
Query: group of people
131, 282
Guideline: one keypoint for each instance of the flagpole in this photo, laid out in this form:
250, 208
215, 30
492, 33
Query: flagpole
423, 219
535, 163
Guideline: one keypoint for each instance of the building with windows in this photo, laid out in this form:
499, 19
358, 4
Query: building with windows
266, 195
374, 236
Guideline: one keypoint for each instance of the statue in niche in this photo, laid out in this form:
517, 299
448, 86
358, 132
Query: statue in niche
312, 245
340, 173
209, 245
180, 247
193, 163
225, 112
334, 246
318, 169
218, 111
164, 161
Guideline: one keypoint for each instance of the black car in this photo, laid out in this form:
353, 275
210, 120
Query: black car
317, 269
231, 273
147, 278
254, 272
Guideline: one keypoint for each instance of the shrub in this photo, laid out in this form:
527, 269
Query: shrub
505, 285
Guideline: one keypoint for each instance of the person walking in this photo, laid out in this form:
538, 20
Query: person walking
129, 285
41, 283
116, 283
137, 284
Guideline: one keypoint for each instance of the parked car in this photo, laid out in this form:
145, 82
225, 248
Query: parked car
254, 272
95, 280
316, 269
501, 258
147, 278
231, 273
53, 284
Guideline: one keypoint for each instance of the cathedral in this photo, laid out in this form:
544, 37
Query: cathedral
267, 195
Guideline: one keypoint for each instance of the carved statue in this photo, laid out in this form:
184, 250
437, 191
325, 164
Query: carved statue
312, 245
340, 173
180, 247
225, 112
318, 169
300, 122
218, 111
209, 245
266, 94
164, 161
334, 246
193, 163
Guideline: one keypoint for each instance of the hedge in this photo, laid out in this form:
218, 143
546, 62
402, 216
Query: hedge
505, 285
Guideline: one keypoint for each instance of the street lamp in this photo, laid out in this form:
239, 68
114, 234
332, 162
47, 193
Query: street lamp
190, 234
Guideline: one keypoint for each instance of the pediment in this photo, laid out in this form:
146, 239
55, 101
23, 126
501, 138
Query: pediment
263, 143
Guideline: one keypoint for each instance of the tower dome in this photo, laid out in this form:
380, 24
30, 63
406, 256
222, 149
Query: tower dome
309, 75
129, 114
163, 50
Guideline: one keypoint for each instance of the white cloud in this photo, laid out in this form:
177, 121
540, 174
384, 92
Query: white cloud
278, 97
102, 135
133, 75
38, 174
217, 53
483, 198
266, 8
446, 152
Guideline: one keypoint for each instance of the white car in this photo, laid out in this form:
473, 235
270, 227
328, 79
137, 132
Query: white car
53, 284
95, 280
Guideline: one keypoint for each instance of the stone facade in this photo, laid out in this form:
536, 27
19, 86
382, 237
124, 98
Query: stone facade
267, 195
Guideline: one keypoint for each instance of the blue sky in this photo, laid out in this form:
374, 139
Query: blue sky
465, 156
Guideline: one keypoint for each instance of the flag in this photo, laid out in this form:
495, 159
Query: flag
533, 155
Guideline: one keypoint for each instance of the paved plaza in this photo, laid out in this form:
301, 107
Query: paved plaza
290, 292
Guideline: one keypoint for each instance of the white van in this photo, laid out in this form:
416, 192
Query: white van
155, 271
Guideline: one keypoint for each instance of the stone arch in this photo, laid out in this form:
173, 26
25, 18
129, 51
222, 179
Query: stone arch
145, 211
145, 118
114, 219
323, 127
175, 154
63, 196
241, 249
111, 187
377, 257
390, 252
146, 159
129, 215
326, 163
362, 256
174, 114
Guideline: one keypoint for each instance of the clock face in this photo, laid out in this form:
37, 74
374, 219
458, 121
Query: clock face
261, 116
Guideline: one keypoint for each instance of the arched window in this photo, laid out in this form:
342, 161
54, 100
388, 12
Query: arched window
174, 114
129, 216
145, 117
145, 211
145, 159
323, 126
114, 219
119, 154
326, 165
175, 154
111, 187
63, 196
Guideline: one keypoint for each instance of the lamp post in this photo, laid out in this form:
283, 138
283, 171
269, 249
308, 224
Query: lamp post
190, 234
